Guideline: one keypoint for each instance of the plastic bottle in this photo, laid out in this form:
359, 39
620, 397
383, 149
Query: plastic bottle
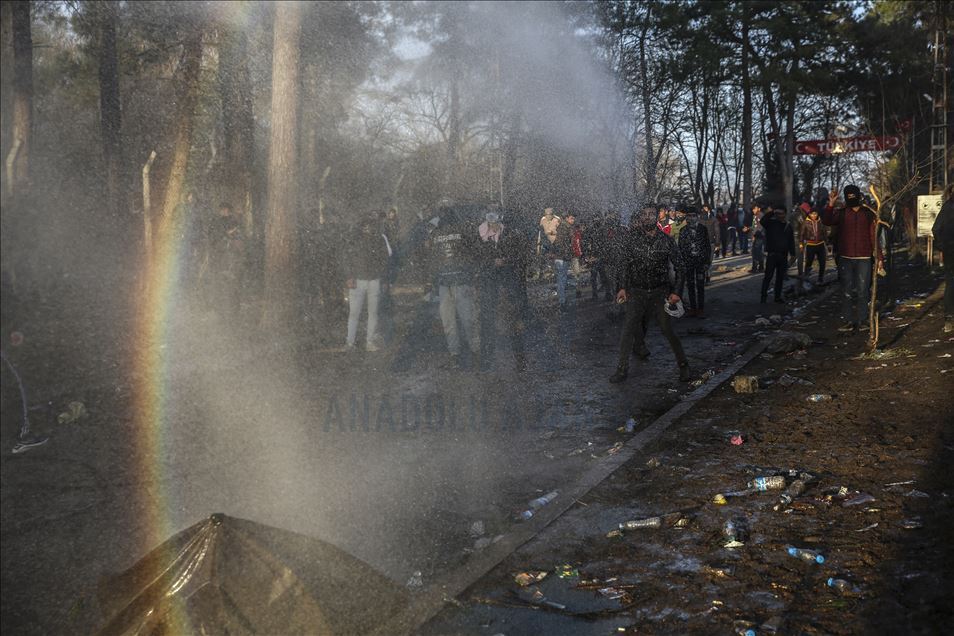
819, 397
805, 555
636, 524
774, 482
842, 586
794, 489
536, 504
730, 531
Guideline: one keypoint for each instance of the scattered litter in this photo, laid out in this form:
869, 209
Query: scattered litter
720, 500
858, 499
842, 586
615, 448
914, 492
805, 554
613, 534
735, 438
523, 579
795, 489
629, 426
819, 397
567, 571
762, 322
74, 412
788, 341
887, 354
745, 383
899, 483
636, 524
732, 534
612, 593
866, 528
477, 529
912, 524
653, 462
536, 504
721, 572
775, 318
772, 482
789, 380
416, 580
946, 355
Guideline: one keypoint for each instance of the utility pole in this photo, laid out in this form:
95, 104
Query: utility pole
938, 177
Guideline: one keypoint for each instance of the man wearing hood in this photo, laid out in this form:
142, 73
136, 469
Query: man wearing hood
856, 226
645, 287
779, 246
503, 255
943, 231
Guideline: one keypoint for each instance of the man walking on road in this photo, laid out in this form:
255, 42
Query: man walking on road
943, 231
562, 253
503, 256
646, 287
696, 252
779, 244
856, 224
366, 265
812, 239
452, 249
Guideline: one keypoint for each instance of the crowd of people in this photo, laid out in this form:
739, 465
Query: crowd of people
476, 262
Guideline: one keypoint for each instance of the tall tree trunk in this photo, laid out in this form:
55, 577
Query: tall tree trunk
746, 114
647, 114
22, 93
453, 137
110, 106
509, 164
238, 124
280, 239
188, 97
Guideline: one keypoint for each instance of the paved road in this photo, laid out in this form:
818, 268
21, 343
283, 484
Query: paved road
261, 438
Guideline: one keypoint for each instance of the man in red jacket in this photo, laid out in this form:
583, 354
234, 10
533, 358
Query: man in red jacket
856, 224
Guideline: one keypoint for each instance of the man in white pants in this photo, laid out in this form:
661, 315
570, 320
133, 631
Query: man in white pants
367, 262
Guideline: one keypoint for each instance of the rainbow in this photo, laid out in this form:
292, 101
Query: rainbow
156, 298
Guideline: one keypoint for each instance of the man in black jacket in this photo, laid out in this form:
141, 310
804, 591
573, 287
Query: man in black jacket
696, 251
943, 231
646, 287
779, 245
503, 255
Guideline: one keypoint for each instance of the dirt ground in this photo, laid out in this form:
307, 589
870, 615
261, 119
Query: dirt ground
247, 435
888, 432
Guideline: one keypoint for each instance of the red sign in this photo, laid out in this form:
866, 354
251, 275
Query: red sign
847, 144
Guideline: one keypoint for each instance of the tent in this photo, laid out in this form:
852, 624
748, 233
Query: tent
231, 576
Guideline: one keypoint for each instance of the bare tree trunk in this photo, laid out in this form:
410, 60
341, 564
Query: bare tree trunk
188, 96
746, 115
647, 114
509, 163
453, 139
238, 123
22, 94
110, 106
282, 167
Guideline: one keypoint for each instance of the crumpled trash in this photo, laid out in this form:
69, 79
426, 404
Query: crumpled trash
745, 383
775, 319
914, 492
523, 579
736, 440
912, 524
416, 580
653, 462
788, 341
567, 571
858, 499
887, 354
612, 593
628, 427
74, 412
477, 529
789, 380
762, 322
